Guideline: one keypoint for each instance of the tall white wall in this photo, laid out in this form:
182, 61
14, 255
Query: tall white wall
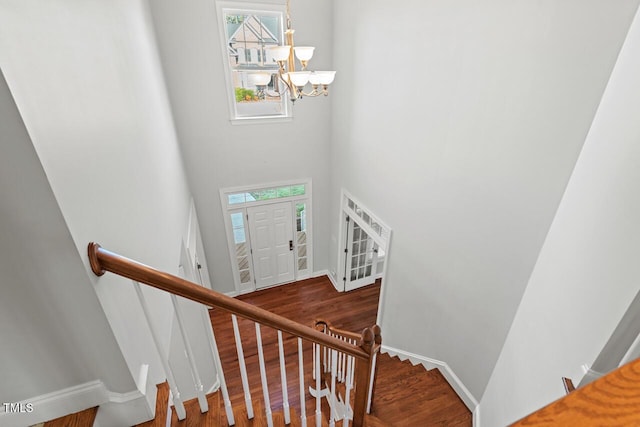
88, 83
218, 154
587, 273
53, 332
458, 124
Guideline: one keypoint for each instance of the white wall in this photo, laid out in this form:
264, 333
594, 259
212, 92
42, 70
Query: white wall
458, 124
587, 273
45, 291
89, 86
218, 154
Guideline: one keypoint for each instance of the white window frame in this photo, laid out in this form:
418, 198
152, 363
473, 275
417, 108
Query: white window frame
228, 208
223, 7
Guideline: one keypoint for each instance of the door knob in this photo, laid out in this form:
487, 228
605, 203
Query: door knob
290, 245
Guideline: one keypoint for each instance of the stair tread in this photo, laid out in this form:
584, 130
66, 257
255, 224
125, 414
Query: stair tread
195, 418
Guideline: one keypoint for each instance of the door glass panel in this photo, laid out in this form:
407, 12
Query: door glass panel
240, 240
301, 234
361, 254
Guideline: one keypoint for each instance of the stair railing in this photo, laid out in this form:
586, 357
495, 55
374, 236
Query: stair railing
338, 367
362, 354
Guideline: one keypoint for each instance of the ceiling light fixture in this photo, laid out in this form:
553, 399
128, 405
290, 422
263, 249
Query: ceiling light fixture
295, 81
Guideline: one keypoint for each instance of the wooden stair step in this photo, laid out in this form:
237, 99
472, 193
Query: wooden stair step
373, 421
195, 418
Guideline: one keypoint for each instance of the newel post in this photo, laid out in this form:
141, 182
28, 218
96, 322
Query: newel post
363, 370
374, 354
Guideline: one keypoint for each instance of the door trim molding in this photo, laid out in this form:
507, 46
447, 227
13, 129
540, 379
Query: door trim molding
383, 239
228, 208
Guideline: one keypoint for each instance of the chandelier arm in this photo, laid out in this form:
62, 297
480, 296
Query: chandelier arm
311, 94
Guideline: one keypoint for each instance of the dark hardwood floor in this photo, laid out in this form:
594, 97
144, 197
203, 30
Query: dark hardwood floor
79, 419
406, 395
304, 302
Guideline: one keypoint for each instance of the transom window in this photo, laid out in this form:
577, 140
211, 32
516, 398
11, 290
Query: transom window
266, 194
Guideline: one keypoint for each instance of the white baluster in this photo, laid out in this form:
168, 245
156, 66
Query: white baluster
326, 360
195, 374
164, 358
243, 367
283, 379
347, 393
213, 345
340, 371
313, 372
373, 373
303, 409
343, 364
334, 369
263, 377
353, 366
318, 394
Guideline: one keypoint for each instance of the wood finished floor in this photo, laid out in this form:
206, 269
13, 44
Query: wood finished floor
79, 419
304, 302
406, 395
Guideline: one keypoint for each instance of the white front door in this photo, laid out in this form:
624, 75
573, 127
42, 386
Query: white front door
361, 257
271, 230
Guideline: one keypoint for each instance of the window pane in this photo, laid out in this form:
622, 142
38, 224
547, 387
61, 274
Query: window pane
245, 276
297, 190
284, 191
255, 91
266, 194
237, 224
301, 217
236, 198
302, 251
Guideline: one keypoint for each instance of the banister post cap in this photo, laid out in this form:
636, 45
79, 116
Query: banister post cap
367, 340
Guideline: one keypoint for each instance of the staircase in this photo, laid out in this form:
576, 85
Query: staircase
270, 334
342, 362
270, 367
406, 395
216, 415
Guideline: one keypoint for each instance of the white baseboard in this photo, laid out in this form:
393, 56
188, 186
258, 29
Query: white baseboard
589, 376
78, 398
331, 278
122, 409
476, 417
457, 385
232, 294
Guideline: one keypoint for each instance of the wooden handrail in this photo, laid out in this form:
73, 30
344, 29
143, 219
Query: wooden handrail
331, 328
610, 400
325, 324
102, 260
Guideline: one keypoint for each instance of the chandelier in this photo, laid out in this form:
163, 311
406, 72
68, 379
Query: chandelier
289, 79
